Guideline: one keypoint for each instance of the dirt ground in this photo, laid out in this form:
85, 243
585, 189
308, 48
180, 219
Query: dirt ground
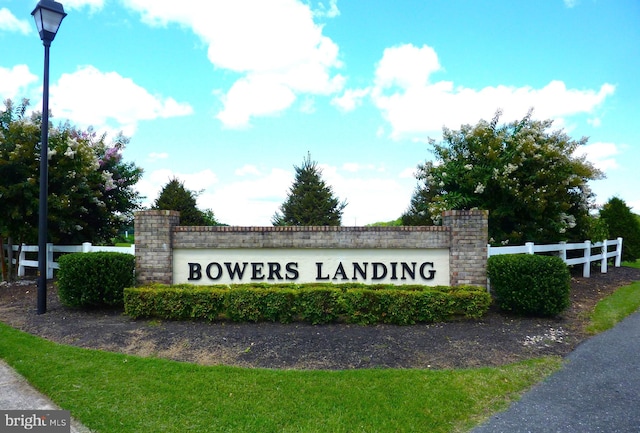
495, 339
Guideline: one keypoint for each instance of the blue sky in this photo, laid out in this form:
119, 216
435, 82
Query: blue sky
229, 95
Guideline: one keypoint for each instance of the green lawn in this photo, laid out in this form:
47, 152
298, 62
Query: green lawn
635, 264
614, 308
110, 392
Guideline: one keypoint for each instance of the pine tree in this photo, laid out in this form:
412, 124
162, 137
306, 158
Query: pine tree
622, 223
311, 201
174, 196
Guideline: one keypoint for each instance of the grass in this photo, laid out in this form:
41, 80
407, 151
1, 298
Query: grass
614, 308
111, 392
635, 264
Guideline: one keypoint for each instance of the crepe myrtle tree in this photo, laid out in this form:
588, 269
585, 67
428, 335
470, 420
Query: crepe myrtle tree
91, 189
526, 175
311, 201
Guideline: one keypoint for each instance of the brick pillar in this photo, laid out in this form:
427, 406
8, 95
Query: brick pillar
468, 253
154, 250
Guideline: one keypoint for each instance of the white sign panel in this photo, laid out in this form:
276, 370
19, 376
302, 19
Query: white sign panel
369, 266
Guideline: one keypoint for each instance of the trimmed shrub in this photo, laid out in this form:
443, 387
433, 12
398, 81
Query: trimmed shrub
313, 303
530, 285
89, 280
318, 305
182, 302
254, 304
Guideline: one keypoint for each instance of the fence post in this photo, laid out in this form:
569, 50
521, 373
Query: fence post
529, 246
586, 266
49, 261
21, 259
603, 262
86, 247
563, 251
618, 252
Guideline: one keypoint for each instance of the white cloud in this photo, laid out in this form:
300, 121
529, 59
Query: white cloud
156, 156
408, 173
369, 198
91, 97
570, 3
354, 167
78, 4
14, 81
308, 105
254, 95
373, 200
351, 166
249, 202
247, 169
350, 99
415, 106
275, 47
327, 11
595, 122
406, 67
10, 23
602, 155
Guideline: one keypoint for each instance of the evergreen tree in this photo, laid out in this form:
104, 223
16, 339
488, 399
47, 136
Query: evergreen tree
310, 201
622, 223
174, 196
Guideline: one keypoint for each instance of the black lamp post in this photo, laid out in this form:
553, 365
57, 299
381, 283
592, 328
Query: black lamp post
48, 15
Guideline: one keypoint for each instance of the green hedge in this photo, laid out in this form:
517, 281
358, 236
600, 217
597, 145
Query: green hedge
530, 285
94, 279
313, 303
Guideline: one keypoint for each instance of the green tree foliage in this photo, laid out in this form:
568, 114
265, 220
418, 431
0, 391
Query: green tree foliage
394, 223
19, 142
174, 196
311, 201
526, 176
90, 188
622, 223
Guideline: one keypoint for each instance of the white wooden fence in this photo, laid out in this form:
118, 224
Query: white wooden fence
561, 249
86, 247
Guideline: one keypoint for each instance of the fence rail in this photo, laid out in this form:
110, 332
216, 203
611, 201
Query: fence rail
86, 247
561, 249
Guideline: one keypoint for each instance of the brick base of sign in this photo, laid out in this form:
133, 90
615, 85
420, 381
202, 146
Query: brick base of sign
463, 233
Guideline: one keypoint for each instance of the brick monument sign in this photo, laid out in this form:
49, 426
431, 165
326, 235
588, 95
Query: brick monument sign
452, 254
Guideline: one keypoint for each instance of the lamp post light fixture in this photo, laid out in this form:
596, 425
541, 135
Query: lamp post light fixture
48, 15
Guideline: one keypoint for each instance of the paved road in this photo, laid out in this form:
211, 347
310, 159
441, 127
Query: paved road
598, 390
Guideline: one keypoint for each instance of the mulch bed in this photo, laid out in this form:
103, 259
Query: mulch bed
494, 340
